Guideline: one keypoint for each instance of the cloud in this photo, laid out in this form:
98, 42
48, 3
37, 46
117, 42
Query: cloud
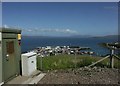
30, 30
5, 26
111, 7
69, 31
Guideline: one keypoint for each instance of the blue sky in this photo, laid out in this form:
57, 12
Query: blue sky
61, 19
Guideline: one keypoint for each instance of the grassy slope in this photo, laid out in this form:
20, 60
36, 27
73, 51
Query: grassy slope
68, 61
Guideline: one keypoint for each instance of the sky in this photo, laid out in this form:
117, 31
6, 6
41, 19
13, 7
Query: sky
61, 18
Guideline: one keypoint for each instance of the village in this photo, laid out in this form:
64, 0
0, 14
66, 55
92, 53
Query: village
49, 50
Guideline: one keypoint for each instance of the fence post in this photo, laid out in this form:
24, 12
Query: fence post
112, 59
41, 63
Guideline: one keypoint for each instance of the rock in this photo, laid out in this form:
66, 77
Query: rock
99, 70
48, 71
86, 68
95, 68
90, 75
86, 76
80, 69
78, 83
75, 73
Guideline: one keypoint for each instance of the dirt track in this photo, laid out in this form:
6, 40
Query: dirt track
82, 76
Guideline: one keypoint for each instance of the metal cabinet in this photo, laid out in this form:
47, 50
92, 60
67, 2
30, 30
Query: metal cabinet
10, 53
28, 63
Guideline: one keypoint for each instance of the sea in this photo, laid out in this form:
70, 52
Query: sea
29, 43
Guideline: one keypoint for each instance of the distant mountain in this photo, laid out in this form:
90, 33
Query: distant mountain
81, 36
74, 36
108, 37
34, 36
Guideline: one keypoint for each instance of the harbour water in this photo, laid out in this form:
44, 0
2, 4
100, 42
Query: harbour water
31, 42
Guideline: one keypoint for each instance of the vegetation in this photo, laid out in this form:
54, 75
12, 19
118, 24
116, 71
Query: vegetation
64, 61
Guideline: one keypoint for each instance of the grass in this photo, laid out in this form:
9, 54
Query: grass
64, 61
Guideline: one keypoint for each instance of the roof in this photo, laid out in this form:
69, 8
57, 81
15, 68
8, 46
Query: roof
29, 54
10, 30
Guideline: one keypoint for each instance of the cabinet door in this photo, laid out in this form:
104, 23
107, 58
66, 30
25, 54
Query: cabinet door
9, 64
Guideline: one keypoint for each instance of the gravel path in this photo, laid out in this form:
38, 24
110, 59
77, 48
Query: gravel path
82, 76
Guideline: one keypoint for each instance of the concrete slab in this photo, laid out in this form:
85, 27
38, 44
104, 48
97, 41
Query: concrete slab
34, 79
18, 80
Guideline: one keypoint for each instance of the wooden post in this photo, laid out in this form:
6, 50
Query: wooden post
112, 59
99, 61
75, 58
41, 63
